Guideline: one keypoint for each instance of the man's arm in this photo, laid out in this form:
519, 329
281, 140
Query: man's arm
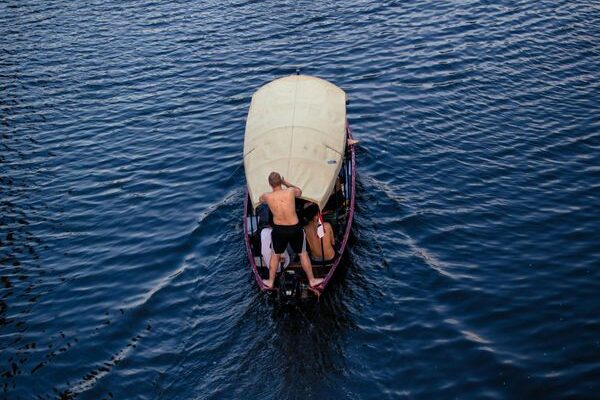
262, 198
297, 190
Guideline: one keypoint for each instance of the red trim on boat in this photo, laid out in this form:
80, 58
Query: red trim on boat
350, 216
262, 286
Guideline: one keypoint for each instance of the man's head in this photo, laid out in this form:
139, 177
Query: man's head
311, 212
275, 179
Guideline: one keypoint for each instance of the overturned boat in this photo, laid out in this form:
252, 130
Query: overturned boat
297, 126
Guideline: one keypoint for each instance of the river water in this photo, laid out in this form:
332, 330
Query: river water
473, 268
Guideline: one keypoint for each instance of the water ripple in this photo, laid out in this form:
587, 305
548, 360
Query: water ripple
471, 271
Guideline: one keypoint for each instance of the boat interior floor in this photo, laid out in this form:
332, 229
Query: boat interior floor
319, 271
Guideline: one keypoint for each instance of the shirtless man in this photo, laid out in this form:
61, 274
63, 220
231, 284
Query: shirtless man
286, 227
313, 239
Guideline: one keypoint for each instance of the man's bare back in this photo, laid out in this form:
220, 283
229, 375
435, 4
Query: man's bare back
313, 239
282, 204
314, 242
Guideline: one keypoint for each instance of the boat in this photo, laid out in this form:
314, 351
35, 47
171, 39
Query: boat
297, 126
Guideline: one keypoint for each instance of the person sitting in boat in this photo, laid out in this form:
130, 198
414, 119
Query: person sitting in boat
337, 197
286, 227
314, 240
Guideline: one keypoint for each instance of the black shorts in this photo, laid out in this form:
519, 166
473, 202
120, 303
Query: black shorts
284, 234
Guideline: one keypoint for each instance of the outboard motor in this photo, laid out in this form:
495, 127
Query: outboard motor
289, 287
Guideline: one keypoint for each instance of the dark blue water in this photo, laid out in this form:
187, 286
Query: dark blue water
474, 266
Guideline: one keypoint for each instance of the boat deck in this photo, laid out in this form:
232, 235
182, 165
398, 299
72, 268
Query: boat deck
319, 271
